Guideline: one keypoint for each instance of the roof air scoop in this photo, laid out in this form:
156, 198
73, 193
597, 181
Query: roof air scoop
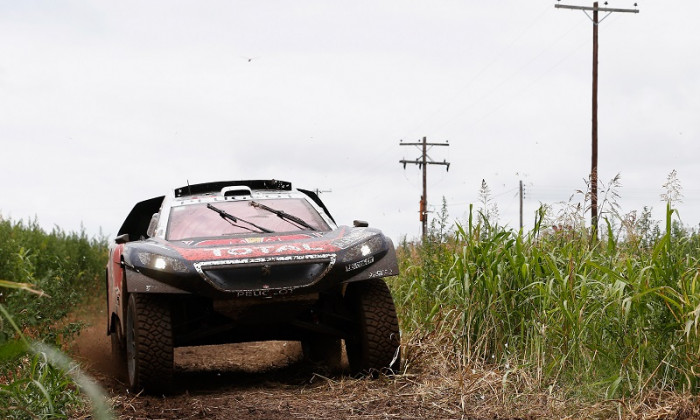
236, 191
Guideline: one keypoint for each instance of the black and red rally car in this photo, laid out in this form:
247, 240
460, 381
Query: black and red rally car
238, 261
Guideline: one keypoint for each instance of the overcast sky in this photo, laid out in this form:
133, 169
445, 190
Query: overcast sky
105, 103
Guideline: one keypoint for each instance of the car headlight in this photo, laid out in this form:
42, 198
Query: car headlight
161, 262
363, 254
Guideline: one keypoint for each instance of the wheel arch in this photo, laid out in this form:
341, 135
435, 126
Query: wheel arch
117, 308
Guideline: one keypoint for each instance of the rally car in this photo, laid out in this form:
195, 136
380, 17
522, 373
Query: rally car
238, 261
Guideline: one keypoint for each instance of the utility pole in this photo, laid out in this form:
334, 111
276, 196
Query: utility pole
521, 204
594, 118
319, 191
423, 163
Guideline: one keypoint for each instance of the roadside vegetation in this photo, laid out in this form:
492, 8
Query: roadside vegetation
43, 277
546, 322
555, 312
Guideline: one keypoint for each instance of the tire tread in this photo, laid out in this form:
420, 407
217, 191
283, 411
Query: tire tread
377, 347
154, 343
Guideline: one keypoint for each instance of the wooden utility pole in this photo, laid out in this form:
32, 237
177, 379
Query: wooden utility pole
594, 110
423, 163
521, 204
594, 126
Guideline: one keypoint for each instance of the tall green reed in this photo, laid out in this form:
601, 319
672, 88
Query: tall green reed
42, 276
46, 382
66, 266
607, 316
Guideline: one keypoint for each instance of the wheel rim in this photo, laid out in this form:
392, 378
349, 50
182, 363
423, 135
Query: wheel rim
130, 347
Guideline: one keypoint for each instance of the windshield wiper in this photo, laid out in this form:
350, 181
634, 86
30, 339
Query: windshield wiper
282, 215
231, 218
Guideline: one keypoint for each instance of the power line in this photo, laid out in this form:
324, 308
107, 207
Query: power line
498, 87
459, 91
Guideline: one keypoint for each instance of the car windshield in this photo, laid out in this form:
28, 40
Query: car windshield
196, 220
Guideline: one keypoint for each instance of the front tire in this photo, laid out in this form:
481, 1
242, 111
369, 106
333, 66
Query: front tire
118, 350
323, 350
149, 343
375, 345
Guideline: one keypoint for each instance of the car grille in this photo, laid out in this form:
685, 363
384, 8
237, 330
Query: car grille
289, 272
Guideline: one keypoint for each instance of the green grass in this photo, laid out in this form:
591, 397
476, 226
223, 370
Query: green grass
604, 318
608, 317
66, 267
43, 276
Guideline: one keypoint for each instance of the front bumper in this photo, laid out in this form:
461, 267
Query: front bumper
154, 268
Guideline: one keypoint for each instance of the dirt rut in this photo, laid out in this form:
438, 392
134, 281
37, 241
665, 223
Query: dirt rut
249, 381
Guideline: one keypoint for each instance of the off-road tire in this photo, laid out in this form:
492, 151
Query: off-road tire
323, 350
118, 351
149, 344
118, 348
375, 345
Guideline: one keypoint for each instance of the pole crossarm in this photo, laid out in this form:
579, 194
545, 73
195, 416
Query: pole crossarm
600, 9
420, 162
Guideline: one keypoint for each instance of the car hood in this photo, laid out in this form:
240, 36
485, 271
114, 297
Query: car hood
282, 262
340, 240
274, 245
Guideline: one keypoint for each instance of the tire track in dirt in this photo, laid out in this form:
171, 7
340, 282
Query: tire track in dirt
259, 381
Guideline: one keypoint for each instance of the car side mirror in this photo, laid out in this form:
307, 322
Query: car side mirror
122, 239
152, 225
360, 223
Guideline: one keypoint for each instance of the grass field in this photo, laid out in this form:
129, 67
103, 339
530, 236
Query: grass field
609, 317
43, 277
550, 311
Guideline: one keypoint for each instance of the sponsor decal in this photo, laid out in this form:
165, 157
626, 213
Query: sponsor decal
381, 273
226, 250
267, 249
359, 264
254, 240
265, 293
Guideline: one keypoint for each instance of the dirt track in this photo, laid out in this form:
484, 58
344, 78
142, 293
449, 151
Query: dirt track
254, 381
270, 381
